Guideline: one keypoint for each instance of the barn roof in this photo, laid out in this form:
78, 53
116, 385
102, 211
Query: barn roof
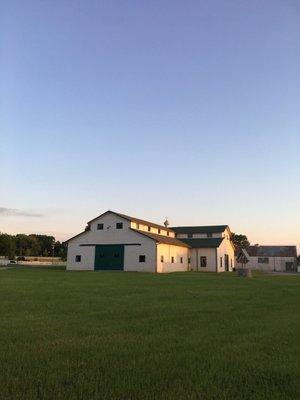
272, 251
203, 243
200, 229
163, 239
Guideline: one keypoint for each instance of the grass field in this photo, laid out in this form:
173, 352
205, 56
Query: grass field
114, 335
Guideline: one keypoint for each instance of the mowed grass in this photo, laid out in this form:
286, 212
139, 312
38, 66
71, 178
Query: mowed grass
116, 335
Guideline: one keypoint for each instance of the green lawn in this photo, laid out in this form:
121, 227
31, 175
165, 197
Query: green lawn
114, 335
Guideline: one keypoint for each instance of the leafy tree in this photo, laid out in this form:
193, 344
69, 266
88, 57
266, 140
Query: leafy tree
31, 245
22, 244
240, 241
7, 245
60, 250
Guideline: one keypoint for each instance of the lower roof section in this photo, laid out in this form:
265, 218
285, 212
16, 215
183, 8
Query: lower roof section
203, 243
162, 239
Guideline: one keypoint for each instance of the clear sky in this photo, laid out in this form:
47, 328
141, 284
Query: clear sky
185, 109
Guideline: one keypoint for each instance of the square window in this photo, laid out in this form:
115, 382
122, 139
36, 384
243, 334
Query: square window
78, 258
181, 260
190, 235
172, 260
209, 235
263, 260
161, 258
142, 259
203, 262
119, 225
100, 227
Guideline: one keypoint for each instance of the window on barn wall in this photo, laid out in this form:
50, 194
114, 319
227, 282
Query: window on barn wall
100, 227
181, 260
189, 260
142, 258
168, 233
119, 225
161, 258
203, 261
159, 231
221, 262
190, 235
149, 228
263, 260
172, 260
209, 235
78, 258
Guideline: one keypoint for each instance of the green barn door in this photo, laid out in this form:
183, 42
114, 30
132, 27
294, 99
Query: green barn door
109, 257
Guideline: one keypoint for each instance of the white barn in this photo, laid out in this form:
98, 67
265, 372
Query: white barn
268, 258
114, 241
211, 248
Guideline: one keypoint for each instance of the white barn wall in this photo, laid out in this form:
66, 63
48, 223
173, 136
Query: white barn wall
169, 251
112, 236
132, 253
276, 264
209, 253
225, 248
144, 228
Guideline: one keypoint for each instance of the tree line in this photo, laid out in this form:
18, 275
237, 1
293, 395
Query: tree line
31, 245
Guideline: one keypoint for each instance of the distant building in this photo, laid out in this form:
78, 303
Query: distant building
114, 241
268, 258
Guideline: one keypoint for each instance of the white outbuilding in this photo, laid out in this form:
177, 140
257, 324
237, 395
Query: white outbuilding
268, 258
115, 241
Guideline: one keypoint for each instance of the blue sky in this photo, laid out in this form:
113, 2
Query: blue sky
189, 110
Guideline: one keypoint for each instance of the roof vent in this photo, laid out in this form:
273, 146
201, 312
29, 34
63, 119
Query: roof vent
166, 223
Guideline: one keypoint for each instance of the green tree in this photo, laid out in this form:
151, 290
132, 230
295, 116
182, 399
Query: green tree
60, 250
7, 245
22, 244
240, 241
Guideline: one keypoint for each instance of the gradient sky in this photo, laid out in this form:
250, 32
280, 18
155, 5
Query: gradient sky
185, 109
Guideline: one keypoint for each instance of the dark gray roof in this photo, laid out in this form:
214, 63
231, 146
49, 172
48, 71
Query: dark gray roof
134, 219
200, 229
272, 251
203, 243
163, 239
